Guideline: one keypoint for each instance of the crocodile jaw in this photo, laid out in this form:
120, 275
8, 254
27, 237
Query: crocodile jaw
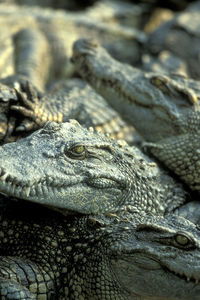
129, 90
95, 195
38, 169
134, 274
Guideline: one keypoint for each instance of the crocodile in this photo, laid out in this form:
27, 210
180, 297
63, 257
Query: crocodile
165, 63
167, 105
43, 38
177, 35
45, 255
69, 99
24, 109
72, 169
36, 45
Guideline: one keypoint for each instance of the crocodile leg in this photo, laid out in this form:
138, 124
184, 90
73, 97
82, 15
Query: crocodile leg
69, 100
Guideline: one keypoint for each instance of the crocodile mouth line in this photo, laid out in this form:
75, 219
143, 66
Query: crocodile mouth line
14, 187
180, 274
118, 88
47, 185
98, 81
187, 278
90, 76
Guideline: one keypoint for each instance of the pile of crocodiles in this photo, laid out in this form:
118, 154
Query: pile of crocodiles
99, 151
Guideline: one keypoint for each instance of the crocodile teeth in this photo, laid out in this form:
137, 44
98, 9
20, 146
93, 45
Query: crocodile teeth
3, 177
39, 188
196, 281
27, 191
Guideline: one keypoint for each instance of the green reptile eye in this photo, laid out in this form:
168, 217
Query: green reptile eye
79, 149
156, 81
77, 152
182, 239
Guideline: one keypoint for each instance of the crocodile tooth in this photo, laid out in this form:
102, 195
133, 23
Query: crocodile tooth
39, 188
3, 177
188, 279
196, 281
27, 190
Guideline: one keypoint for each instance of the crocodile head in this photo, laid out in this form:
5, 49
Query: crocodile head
62, 162
157, 99
68, 167
158, 258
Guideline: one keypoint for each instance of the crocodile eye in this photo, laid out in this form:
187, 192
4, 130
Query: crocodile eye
77, 152
156, 81
182, 239
79, 149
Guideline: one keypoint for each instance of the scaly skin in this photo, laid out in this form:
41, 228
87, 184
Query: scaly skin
8, 97
65, 100
50, 37
71, 169
32, 56
189, 211
127, 256
177, 35
164, 110
36, 43
71, 99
